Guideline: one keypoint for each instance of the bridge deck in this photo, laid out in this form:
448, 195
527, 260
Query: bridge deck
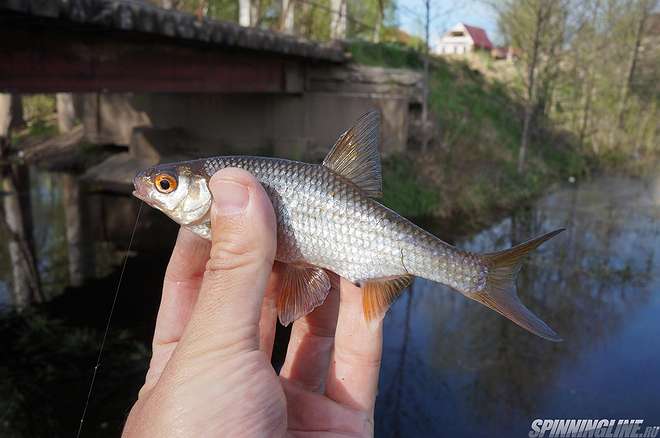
128, 45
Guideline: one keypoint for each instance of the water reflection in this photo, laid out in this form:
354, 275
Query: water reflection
454, 368
16, 224
79, 237
70, 231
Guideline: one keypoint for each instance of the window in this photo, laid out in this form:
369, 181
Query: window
457, 33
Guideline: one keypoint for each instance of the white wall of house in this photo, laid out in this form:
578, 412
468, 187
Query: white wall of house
456, 41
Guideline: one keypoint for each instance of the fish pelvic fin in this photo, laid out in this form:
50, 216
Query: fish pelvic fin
303, 288
500, 292
379, 294
356, 157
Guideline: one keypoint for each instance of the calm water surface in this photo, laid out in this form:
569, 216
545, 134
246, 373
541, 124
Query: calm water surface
451, 367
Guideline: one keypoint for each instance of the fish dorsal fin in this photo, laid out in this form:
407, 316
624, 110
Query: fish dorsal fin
304, 287
355, 155
379, 294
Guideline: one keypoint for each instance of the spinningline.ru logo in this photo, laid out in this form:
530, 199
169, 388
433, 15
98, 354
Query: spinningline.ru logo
598, 428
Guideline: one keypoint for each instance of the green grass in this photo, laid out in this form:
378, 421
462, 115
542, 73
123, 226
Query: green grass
403, 192
384, 55
38, 106
36, 129
39, 114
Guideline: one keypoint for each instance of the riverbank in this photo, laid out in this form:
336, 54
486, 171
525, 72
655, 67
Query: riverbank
468, 177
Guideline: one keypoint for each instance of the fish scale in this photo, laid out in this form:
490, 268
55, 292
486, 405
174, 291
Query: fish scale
321, 217
327, 218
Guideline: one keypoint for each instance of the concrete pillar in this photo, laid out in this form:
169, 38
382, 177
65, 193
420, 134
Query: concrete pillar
79, 265
338, 22
288, 8
66, 114
5, 114
11, 113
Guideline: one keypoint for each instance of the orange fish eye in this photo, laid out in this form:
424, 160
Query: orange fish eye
165, 183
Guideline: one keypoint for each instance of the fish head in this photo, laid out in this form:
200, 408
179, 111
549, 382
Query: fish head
176, 190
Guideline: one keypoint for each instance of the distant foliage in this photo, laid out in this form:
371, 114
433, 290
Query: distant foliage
596, 72
365, 19
38, 106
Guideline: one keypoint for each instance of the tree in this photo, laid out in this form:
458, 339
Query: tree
338, 21
425, 86
537, 28
16, 208
288, 14
426, 19
640, 13
379, 21
607, 79
244, 15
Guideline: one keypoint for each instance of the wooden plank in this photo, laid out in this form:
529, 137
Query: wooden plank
41, 59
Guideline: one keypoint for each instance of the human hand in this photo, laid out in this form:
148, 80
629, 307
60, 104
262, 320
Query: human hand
210, 373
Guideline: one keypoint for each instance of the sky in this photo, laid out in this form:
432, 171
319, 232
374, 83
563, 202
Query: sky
446, 14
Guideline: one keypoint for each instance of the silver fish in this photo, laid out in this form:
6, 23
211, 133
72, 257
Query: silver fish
328, 219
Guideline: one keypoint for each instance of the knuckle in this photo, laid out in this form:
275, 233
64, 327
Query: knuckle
358, 358
232, 253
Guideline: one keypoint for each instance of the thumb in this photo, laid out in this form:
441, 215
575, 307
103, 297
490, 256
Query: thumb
226, 315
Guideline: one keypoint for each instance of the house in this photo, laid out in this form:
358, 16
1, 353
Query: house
462, 39
501, 53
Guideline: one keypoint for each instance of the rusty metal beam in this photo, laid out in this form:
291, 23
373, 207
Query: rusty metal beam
45, 56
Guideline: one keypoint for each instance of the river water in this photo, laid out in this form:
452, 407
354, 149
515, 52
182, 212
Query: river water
451, 367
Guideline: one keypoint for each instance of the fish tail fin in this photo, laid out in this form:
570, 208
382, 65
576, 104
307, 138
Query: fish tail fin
500, 292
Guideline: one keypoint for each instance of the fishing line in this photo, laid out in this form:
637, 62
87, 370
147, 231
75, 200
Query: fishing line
107, 325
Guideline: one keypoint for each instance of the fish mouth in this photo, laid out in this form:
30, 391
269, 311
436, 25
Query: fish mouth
141, 189
139, 196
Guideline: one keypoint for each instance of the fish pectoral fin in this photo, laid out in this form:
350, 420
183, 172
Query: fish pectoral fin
304, 287
355, 155
379, 294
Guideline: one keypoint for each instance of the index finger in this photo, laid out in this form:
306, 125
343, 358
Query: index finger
355, 366
183, 278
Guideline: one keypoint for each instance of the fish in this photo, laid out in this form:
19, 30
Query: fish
329, 219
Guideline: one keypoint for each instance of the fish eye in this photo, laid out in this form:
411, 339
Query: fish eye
165, 183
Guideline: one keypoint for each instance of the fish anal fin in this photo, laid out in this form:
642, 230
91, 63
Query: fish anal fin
304, 287
355, 155
379, 294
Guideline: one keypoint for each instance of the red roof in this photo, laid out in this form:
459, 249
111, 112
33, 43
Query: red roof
479, 37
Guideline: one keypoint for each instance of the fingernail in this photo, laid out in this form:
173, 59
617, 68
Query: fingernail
230, 197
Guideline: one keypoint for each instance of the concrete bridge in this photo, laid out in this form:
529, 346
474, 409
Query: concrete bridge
171, 85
